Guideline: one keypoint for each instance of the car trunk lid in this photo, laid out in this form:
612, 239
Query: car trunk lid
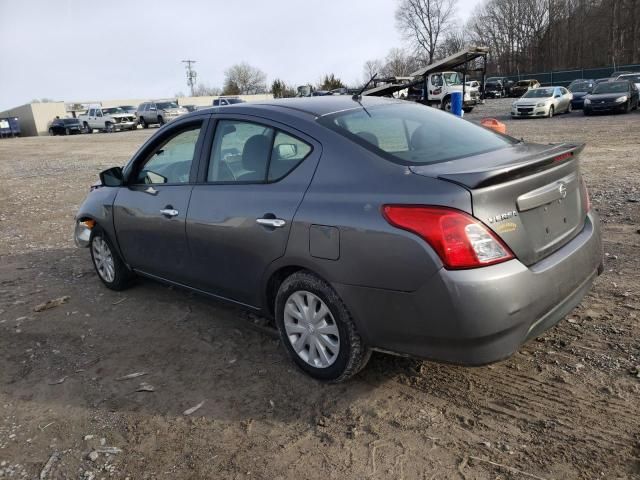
529, 195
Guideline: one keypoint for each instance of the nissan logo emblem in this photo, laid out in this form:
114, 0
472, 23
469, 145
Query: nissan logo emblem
562, 188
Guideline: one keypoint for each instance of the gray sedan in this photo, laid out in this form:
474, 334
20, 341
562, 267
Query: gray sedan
357, 224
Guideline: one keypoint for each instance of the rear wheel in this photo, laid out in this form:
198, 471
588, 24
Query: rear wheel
569, 108
110, 268
317, 330
467, 109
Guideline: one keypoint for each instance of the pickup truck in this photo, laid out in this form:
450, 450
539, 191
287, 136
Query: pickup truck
107, 119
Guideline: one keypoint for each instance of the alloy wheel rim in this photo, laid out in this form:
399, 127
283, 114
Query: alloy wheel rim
311, 329
103, 259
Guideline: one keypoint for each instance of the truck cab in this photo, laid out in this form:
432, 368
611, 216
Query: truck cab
441, 85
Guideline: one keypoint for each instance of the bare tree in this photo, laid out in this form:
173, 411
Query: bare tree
245, 79
370, 68
203, 90
424, 22
397, 63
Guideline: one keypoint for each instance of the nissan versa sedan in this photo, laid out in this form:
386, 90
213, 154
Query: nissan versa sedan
357, 224
542, 102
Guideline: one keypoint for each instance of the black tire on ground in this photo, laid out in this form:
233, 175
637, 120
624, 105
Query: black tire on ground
51, 132
122, 275
144, 123
160, 120
551, 111
586, 112
353, 354
87, 128
67, 131
627, 107
569, 108
446, 104
108, 127
467, 109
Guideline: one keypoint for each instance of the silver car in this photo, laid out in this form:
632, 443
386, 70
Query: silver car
542, 102
356, 225
159, 112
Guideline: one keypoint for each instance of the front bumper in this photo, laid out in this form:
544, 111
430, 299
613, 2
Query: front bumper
577, 103
603, 107
479, 316
125, 125
534, 111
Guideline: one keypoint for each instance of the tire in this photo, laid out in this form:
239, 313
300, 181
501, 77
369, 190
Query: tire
586, 113
446, 104
349, 355
467, 109
51, 132
108, 127
627, 107
551, 109
67, 131
160, 120
569, 108
87, 128
114, 274
144, 123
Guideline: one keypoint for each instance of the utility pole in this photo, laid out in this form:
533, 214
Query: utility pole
191, 74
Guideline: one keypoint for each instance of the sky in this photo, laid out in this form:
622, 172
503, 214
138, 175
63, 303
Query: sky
119, 49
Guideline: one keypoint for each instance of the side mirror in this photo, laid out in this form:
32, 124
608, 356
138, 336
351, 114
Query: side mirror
557, 96
112, 177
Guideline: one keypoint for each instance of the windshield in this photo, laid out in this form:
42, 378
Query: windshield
580, 86
412, 134
165, 105
611, 87
493, 79
127, 108
452, 78
112, 110
234, 100
539, 93
631, 78
524, 83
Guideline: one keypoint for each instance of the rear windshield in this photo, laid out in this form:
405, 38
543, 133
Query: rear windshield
612, 87
581, 86
631, 78
413, 134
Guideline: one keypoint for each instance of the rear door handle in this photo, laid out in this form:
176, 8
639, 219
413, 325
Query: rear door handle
169, 212
271, 222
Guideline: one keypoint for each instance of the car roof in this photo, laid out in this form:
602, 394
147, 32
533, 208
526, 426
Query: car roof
315, 106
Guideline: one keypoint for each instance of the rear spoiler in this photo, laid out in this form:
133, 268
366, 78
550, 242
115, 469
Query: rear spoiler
525, 167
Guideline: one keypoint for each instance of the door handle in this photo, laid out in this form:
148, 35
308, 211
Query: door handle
271, 222
169, 212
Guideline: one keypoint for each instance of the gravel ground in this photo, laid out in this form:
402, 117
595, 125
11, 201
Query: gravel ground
565, 406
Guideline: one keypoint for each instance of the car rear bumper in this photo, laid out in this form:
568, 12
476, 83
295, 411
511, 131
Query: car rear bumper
479, 316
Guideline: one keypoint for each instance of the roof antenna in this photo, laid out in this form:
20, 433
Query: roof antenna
357, 96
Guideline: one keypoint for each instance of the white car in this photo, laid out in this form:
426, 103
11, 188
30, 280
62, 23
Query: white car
542, 102
107, 119
632, 77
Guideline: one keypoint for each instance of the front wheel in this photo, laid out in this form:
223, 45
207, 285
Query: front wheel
467, 109
108, 127
144, 123
446, 105
317, 329
51, 132
551, 111
87, 128
110, 268
160, 120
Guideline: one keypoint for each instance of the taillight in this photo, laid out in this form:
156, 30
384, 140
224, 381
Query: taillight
460, 240
587, 199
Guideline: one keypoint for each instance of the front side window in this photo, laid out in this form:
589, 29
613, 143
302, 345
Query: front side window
171, 161
412, 134
92, 112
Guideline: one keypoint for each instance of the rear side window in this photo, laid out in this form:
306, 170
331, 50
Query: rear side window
412, 134
250, 152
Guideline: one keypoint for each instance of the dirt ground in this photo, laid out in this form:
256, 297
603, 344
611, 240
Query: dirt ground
566, 406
